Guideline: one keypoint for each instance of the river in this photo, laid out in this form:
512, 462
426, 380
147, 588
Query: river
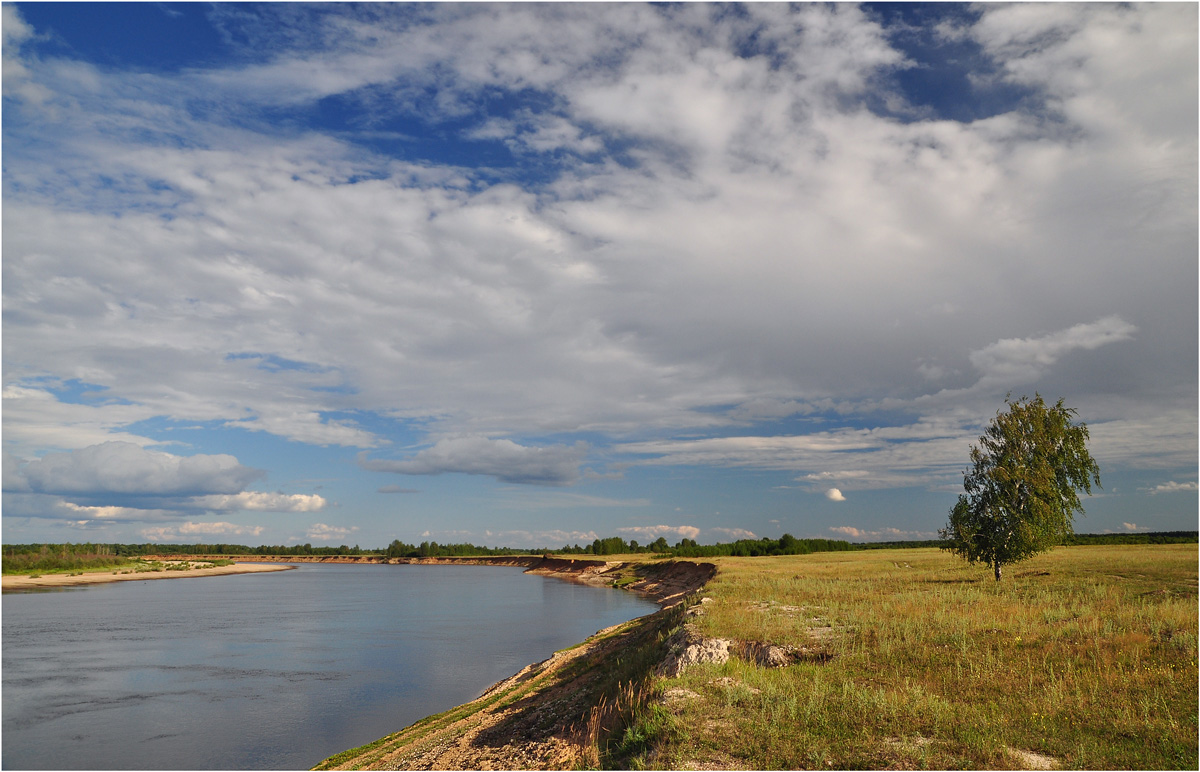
271, 671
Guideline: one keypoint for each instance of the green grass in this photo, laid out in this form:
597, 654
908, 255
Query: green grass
1084, 654
61, 563
38, 564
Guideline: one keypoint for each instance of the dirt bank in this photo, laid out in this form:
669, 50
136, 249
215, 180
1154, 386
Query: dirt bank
12, 582
549, 715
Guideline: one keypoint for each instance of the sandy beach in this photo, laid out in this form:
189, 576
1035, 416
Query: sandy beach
23, 582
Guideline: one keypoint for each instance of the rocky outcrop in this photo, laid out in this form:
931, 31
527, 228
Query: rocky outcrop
687, 647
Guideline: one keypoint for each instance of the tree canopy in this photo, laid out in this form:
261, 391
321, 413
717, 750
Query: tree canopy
1022, 491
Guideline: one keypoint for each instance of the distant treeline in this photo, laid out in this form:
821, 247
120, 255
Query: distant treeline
753, 548
431, 549
58, 557
1150, 537
1075, 540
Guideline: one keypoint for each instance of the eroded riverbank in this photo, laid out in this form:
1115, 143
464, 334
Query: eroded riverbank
549, 715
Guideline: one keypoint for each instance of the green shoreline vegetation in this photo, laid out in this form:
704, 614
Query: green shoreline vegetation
27, 558
38, 559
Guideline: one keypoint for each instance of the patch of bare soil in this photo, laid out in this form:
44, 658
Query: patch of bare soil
1032, 759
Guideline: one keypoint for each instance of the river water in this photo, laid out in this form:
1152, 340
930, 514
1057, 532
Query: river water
271, 671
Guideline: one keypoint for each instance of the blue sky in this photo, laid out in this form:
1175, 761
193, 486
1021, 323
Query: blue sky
535, 274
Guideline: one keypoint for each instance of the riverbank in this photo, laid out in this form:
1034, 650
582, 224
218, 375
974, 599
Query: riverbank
17, 582
552, 714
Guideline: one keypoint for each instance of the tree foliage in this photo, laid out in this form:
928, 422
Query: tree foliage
1022, 491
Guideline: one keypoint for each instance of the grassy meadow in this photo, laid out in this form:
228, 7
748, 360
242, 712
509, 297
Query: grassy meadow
1083, 657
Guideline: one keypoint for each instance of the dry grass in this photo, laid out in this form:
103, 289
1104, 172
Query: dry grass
1085, 657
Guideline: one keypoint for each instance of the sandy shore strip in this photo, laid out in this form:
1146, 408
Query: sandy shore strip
25, 582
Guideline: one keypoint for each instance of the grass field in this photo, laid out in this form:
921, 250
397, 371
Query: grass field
1084, 657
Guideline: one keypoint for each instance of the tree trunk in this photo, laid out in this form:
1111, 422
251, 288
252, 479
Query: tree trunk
997, 566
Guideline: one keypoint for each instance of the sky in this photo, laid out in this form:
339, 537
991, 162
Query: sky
536, 274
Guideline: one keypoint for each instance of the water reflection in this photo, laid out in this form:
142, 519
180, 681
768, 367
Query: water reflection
274, 670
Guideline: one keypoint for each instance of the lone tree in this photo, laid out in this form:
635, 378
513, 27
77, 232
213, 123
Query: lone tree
1021, 494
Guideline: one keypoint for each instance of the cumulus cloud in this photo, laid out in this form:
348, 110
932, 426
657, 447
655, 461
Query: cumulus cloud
733, 533
1018, 361
833, 494
193, 530
652, 532
323, 532
882, 534
123, 482
261, 502
109, 513
502, 459
1173, 487
551, 537
125, 468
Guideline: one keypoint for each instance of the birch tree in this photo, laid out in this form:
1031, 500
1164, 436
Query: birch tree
1022, 491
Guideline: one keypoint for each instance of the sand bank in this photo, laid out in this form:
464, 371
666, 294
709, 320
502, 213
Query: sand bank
25, 582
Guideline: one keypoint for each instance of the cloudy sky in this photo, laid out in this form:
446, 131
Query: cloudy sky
537, 274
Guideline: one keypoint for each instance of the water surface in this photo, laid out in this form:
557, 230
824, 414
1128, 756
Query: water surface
271, 671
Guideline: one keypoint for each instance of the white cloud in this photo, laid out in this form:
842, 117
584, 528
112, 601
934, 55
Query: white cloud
1018, 361
925, 453
548, 538
326, 533
18, 81
652, 532
108, 512
733, 533
123, 482
192, 530
34, 420
882, 534
833, 494
1134, 527
1173, 487
125, 468
262, 502
502, 459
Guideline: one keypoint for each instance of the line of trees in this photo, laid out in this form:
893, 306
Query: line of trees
431, 549
690, 548
49, 557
